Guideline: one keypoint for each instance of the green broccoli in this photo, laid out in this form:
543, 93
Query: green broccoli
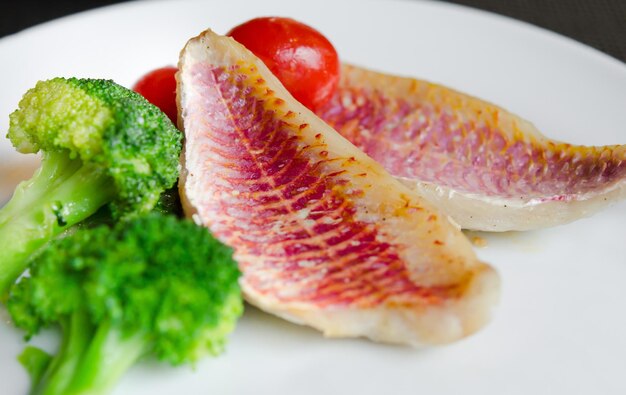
101, 144
151, 286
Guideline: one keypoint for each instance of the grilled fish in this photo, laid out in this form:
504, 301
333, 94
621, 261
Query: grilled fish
485, 167
324, 236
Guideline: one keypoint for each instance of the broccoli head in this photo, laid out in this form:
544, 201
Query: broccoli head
101, 144
150, 286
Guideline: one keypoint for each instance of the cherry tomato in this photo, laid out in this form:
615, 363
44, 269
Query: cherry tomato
159, 88
300, 56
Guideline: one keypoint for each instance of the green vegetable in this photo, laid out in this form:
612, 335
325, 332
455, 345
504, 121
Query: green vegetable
35, 361
101, 144
151, 286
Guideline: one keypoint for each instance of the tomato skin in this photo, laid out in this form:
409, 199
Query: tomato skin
301, 57
159, 88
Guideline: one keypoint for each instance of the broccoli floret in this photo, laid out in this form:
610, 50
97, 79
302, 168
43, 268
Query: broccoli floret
150, 286
101, 144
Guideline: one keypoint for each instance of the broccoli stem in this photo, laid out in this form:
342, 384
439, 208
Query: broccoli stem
77, 333
55, 168
90, 360
60, 195
35, 361
109, 356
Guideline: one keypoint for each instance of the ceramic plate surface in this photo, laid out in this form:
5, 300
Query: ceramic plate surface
560, 327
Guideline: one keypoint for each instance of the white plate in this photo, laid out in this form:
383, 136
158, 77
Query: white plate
561, 323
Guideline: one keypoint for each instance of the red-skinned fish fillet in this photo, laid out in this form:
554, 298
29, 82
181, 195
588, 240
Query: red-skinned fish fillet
485, 167
324, 236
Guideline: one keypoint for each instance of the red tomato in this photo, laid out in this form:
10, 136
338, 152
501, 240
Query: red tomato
159, 88
300, 56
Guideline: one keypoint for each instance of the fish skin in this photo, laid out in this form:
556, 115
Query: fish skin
323, 235
485, 167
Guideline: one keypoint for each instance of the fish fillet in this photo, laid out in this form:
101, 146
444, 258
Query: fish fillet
324, 236
485, 167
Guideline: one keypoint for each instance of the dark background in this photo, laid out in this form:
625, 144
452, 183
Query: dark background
598, 23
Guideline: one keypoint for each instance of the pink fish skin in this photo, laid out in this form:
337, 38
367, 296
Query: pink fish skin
324, 236
485, 167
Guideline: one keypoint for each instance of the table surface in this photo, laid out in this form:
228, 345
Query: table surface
598, 23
